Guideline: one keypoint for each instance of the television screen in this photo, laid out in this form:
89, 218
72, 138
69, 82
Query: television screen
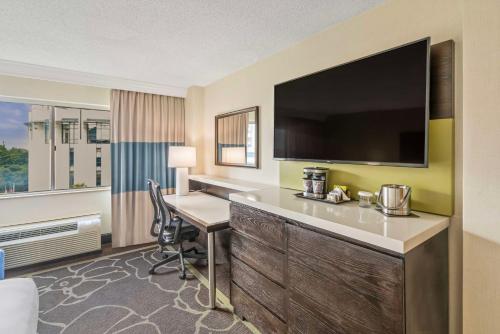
370, 111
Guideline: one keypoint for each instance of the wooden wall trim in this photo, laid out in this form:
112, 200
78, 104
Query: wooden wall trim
442, 80
427, 286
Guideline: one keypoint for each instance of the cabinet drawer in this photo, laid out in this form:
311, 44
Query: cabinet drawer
264, 227
356, 289
268, 293
247, 308
265, 260
303, 321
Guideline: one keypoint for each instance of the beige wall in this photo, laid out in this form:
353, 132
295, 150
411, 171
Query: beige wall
194, 125
386, 26
393, 23
22, 210
50, 91
25, 210
481, 166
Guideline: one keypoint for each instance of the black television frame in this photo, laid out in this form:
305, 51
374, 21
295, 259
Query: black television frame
425, 164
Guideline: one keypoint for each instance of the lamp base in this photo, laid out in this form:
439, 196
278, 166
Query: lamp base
181, 181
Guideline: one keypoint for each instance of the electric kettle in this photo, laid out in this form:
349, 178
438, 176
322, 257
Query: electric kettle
394, 199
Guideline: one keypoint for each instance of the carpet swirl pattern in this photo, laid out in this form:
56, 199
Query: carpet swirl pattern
115, 294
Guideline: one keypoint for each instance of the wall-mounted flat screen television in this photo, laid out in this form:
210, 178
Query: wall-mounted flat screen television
373, 110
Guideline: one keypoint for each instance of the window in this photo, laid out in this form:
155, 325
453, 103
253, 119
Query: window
23, 139
69, 131
46, 130
71, 158
251, 143
98, 165
98, 131
48, 147
98, 178
98, 160
71, 167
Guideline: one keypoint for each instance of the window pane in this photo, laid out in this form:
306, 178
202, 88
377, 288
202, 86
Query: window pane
39, 147
82, 157
24, 147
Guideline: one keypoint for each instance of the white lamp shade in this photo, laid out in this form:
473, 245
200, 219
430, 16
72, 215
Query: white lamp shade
234, 155
181, 156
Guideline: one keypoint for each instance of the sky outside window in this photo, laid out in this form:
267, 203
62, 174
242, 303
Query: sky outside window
13, 129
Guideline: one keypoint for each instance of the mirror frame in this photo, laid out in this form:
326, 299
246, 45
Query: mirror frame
257, 144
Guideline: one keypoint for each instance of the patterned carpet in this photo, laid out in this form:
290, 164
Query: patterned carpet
115, 294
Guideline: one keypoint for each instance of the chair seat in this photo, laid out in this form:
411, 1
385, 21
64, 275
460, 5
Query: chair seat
187, 232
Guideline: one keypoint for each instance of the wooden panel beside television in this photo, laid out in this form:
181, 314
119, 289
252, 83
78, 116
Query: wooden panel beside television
442, 80
334, 285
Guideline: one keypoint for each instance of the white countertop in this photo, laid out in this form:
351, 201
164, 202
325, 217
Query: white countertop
206, 209
240, 185
398, 234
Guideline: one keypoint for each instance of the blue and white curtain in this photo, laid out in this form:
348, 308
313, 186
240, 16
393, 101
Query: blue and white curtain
143, 127
232, 131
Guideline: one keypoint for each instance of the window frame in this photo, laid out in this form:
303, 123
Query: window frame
53, 145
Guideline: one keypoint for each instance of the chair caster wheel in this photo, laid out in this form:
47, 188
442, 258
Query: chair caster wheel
182, 275
165, 256
151, 271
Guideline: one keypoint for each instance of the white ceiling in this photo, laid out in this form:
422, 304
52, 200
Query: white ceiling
167, 42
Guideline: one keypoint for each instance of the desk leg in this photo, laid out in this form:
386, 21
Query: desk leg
211, 270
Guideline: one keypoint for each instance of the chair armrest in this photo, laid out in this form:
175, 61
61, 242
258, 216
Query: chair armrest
177, 228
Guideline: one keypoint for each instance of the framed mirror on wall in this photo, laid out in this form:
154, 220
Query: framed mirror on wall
237, 138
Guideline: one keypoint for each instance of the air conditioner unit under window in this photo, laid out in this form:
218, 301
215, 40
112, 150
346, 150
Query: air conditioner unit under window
40, 242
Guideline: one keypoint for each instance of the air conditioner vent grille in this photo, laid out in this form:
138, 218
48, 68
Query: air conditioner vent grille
68, 227
9, 237
38, 232
29, 234
49, 230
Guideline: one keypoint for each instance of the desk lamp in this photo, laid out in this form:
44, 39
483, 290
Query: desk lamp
181, 157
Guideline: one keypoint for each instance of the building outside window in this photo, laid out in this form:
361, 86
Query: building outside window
46, 130
72, 179
71, 167
98, 165
98, 159
69, 130
71, 158
251, 143
98, 178
35, 158
98, 131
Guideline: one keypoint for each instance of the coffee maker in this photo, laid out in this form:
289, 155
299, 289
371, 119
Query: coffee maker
315, 181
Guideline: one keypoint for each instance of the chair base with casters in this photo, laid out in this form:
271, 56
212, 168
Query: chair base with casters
181, 254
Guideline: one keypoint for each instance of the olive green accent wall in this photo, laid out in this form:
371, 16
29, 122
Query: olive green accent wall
432, 186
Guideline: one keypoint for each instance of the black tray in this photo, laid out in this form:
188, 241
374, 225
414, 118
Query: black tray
324, 200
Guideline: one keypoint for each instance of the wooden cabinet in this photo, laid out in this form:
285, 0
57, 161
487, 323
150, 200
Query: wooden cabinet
354, 289
265, 260
267, 229
248, 308
288, 278
269, 294
258, 268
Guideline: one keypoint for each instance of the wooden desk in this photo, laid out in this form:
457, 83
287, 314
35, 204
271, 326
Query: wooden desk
209, 214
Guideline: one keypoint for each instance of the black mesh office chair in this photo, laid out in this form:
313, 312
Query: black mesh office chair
171, 230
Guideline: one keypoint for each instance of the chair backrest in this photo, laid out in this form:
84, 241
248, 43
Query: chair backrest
170, 224
156, 223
